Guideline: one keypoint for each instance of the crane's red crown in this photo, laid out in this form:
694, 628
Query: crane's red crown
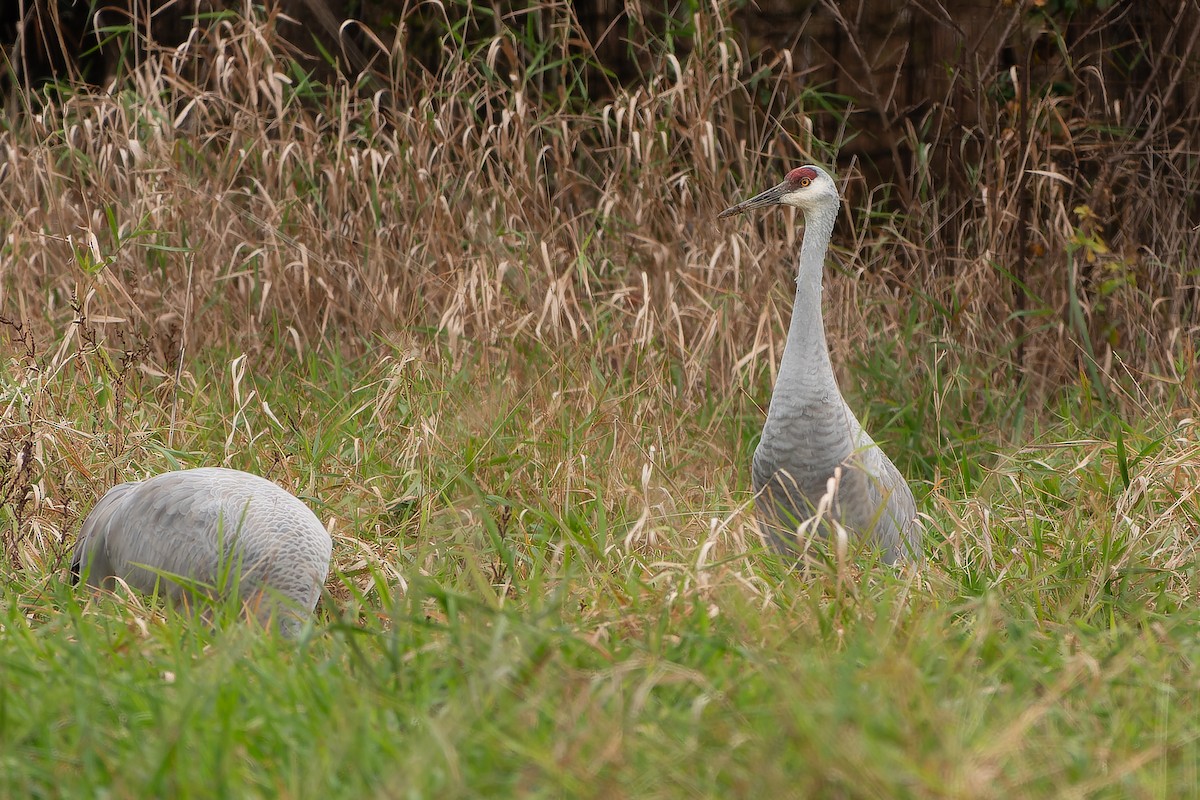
796, 176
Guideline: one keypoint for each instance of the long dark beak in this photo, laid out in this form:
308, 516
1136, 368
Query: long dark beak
770, 197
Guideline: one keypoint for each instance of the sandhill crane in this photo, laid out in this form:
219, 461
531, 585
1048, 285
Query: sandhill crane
811, 441
208, 529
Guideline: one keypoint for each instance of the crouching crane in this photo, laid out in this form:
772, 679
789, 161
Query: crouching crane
209, 530
814, 458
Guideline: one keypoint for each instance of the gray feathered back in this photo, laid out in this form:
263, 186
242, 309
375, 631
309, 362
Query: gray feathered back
213, 527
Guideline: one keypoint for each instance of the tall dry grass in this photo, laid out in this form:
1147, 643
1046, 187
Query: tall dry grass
212, 196
494, 198
476, 310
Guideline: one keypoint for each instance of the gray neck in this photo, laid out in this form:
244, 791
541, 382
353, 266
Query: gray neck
805, 374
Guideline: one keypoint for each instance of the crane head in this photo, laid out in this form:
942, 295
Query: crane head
804, 188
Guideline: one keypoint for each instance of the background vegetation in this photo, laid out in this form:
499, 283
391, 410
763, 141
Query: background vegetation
460, 286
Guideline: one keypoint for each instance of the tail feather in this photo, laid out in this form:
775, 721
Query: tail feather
76, 559
91, 547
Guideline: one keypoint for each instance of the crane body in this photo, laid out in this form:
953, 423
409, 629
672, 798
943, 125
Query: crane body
814, 458
209, 529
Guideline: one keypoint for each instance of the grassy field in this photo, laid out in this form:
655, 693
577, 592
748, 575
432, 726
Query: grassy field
498, 342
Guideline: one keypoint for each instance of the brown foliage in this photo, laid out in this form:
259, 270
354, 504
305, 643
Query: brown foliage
1035, 188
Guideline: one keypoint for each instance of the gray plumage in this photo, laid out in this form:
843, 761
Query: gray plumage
209, 527
810, 432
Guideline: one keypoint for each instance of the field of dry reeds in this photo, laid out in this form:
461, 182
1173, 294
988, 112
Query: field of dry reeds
461, 287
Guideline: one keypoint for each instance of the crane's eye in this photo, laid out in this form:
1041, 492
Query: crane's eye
805, 182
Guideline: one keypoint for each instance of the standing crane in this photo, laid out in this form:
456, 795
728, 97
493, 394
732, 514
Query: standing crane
814, 459
208, 530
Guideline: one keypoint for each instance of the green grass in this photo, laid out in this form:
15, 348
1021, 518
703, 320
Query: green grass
494, 630
485, 325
